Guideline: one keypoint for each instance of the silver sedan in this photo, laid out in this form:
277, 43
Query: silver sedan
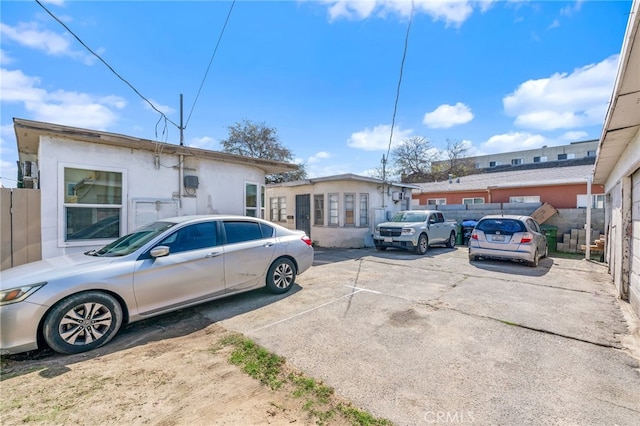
79, 302
508, 237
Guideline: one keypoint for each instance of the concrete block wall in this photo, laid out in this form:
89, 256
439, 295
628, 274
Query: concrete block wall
565, 220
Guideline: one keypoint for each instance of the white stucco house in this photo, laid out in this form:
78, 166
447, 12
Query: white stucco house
96, 186
617, 167
337, 211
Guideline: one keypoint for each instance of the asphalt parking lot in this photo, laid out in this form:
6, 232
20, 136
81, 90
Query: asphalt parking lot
435, 339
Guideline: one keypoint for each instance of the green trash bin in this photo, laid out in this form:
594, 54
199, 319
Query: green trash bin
459, 240
550, 232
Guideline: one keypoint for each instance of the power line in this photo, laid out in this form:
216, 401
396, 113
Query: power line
108, 66
395, 106
210, 62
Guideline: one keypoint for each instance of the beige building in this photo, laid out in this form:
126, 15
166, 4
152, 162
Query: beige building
572, 151
336, 211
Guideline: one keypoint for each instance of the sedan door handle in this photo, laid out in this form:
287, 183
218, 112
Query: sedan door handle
214, 254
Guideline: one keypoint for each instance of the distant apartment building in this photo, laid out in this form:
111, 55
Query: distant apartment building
572, 151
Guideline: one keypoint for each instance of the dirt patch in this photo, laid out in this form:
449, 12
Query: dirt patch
166, 375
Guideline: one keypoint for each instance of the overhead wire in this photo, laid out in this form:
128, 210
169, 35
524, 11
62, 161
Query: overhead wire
395, 106
163, 116
215, 50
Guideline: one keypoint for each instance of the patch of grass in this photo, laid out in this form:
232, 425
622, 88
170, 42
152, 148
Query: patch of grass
257, 362
319, 399
361, 418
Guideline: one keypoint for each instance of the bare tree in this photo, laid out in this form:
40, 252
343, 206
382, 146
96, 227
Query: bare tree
258, 140
457, 164
413, 157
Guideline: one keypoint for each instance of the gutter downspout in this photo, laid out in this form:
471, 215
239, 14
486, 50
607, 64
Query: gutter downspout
180, 179
587, 252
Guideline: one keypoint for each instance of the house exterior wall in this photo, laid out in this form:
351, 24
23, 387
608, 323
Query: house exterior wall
623, 216
145, 180
560, 196
341, 235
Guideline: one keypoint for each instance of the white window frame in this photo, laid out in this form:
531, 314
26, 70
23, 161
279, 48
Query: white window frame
62, 204
258, 208
352, 196
334, 213
525, 199
363, 210
319, 221
278, 209
517, 161
597, 201
475, 200
436, 201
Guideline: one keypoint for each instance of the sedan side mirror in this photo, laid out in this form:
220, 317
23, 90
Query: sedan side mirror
159, 251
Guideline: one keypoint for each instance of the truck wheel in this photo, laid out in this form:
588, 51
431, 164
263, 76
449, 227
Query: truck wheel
423, 244
451, 242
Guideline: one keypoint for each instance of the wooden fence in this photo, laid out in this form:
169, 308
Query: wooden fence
20, 237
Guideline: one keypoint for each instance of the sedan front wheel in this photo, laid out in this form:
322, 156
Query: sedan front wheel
82, 322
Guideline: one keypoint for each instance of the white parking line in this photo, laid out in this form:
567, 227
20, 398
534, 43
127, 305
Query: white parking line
315, 308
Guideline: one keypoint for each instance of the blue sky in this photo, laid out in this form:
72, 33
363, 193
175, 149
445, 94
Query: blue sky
499, 75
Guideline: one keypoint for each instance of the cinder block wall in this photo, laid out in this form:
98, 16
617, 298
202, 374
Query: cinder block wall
565, 219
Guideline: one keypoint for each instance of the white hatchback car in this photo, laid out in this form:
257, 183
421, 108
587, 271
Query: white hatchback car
79, 302
508, 237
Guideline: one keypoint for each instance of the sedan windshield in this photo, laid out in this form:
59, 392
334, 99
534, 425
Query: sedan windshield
132, 242
409, 217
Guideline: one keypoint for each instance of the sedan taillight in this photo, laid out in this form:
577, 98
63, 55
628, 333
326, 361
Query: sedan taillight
474, 235
307, 240
526, 238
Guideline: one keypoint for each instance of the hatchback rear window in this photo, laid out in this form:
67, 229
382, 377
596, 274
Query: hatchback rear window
502, 226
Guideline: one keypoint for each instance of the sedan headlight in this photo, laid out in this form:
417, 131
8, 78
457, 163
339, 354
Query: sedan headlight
18, 294
408, 231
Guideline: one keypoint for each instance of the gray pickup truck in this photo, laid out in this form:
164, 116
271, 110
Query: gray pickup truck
415, 230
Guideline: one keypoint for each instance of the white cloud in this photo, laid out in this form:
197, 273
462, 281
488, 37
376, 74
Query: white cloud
204, 142
165, 109
575, 136
29, 34
322, 155
512, 141
377, 139
452, 12
5, 58
8, 169
564, 101
446, 116
572, 8
68, 108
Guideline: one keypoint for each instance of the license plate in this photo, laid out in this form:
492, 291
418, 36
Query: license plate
388, 239
498, 238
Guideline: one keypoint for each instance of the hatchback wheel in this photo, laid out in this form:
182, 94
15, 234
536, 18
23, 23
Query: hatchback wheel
534, 263
82, 322
423, 244
281, 275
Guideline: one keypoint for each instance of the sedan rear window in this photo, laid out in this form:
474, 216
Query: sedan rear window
501, 226
238, 232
